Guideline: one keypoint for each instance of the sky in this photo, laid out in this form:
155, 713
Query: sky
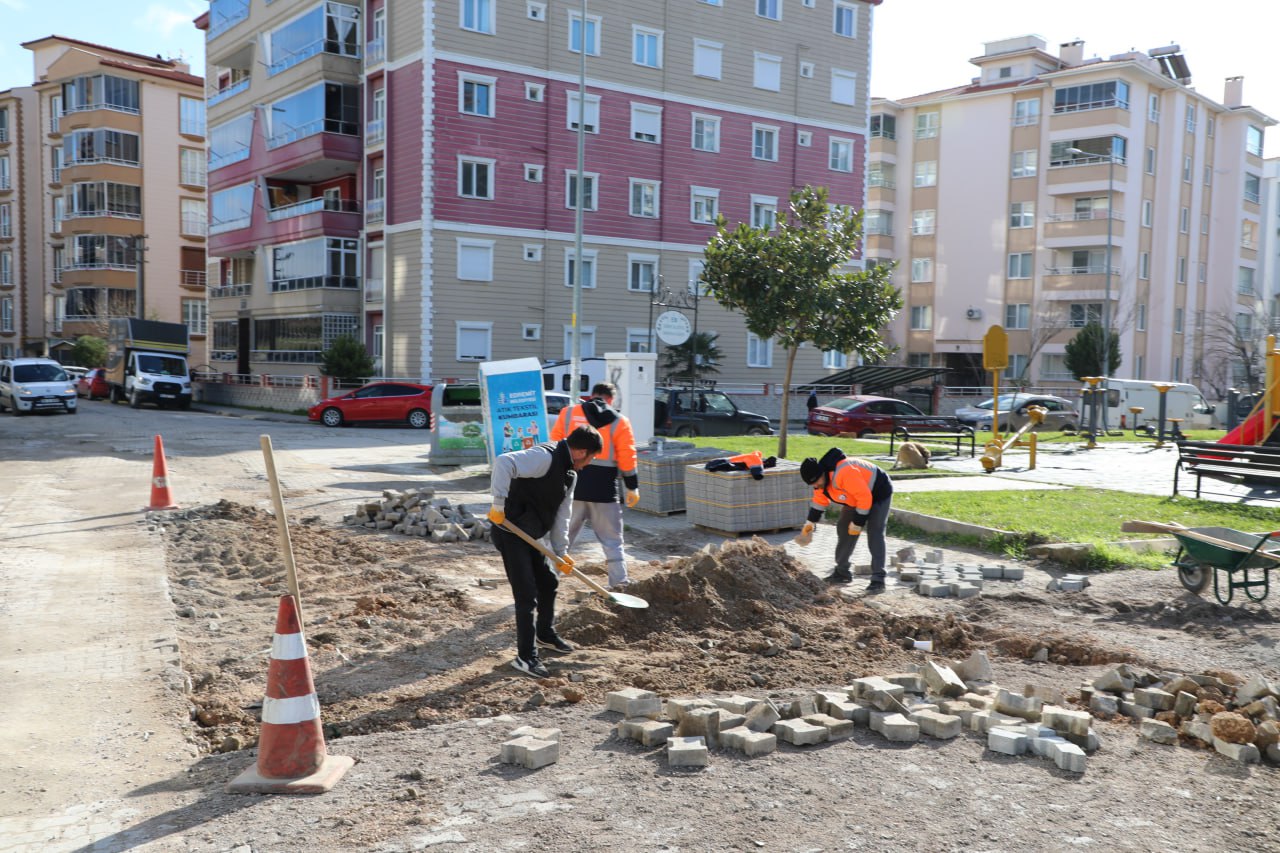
918, 46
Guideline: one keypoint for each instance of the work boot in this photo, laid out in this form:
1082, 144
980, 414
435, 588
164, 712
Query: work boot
875, 587
554, 642
840, 576
531, 667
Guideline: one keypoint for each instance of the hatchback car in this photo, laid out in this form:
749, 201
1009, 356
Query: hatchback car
862, 415
687, 412
93, 384
377, 402
36, 385
1061, 414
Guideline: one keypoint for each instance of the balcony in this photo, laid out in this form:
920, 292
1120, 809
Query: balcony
1091, 279
194, 279
229, 291
290, 58
375, 209
375, 51
195, 226
373, 290
375, 131
225, 14
316, 282
1086, 224
312, 205
6, 183
217, 161
4, 135
230, 91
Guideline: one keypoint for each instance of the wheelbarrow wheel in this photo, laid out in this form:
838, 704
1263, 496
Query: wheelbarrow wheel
1194, 577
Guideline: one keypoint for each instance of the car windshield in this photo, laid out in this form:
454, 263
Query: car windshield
39, 373
163, 365
1006, 402
844, 403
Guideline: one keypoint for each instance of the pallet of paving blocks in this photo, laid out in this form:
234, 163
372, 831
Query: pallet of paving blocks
661, 474
735, 502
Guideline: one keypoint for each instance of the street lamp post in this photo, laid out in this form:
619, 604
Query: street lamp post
1106, 302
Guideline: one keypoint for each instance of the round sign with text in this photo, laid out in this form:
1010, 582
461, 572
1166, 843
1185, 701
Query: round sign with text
673, 328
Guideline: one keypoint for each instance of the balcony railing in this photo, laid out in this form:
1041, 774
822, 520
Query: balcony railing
4, 134
375, 50
1246, 243
883, 183
1090, 160
1251, 196
923, 230
6, 229
192, 278
228, 14
1089, 270
315, 282
221, 95
375, 208
312, 205
217, 161
227, 291
85, 266
6, 183
1105, 103
375, 131
1083, 216
100, 105
195, 226
112, 214
373, 290
305, 52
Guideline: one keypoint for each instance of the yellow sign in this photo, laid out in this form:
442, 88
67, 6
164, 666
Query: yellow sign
995, 349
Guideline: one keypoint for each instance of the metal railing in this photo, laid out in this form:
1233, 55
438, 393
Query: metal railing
100, 105
217, 161
4, 134
94, 214
1083, 216
228, 21
222, 94
312, 205
1091, 105
315, 282
193, 278
6, 183
884, 183
91, 266
1089, 270
375, 50
227, 291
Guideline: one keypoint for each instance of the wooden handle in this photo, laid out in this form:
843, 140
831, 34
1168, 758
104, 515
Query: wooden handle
282, 525
1157, 527
1150, 527
534, 543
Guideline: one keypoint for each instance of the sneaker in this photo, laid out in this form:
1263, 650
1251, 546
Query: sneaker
555, 643
875, 587
532, 667
839, 577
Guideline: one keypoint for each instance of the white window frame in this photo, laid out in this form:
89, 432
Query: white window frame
462, 327
1148, 211
761, 132
1017, 315
647, 113
706, 194
695, 284
533, 172
1144, 265
534, 91
491, 16
764, 207
1025, 163
1186, 169
464, 243
921, 318
804, 138
643, 337
1022, 214
535, 11
592, 28
655, 186
530, 331
532, 252
1181, 269
591, 180
708, 50
925, 173
635, 260
924, 222
834, 360
844, 87
845, 162
586, 341
489, 163
927, 124
709, 120
1184, 220
1140, 317
763, 7
638, 32
465, 77
1019, 266
766, 68
1149, 164
590, 112
921, 270
759, 351
842, 6
1026, 112
591, 259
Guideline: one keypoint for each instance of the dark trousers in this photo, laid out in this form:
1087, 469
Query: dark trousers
533, 585
873, 532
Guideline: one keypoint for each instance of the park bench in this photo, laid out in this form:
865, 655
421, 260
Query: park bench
957, 437
1249, 464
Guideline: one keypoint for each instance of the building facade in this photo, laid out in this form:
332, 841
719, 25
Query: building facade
407, 171
101, 196
1054, 191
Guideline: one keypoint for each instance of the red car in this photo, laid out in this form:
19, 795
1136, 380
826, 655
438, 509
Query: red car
387, 402
863, 415
93, 385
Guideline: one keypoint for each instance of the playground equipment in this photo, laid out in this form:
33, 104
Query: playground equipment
1259, 426
993, 453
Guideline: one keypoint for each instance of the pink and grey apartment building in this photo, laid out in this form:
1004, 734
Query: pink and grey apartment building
406, 171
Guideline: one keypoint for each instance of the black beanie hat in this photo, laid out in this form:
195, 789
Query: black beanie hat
810, 470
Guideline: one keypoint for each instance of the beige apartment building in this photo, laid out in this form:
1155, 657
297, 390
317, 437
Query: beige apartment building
102, 164
1055, 190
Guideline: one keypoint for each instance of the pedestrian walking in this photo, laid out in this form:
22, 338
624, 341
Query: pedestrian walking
864, 492
595, 497
812, 402
533, 490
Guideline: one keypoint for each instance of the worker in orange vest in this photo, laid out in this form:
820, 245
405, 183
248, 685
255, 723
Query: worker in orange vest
864, 492
595, 497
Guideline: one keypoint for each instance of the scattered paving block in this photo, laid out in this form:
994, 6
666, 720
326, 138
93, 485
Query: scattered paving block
762, 717
1040, 745
1265, 708
540, 734
934, 589
875, 720
1038, 730
1007, 741
687, 752
965, 590
677, 708
1104, 704
630, 728
823, 698
985, 689
836, 728
992, 573
943, 679
797, 708
889, 699
655, 732
758, 743
1152, 697
855, 712
985, 721
1012, 573
1026, 707
1067, 756
936, 725
1047, 695
976, 667
1086, 693
1115, 680
736, 704
732, 738
1245, 753
953, 707
1158, 732
1064, 585
896, 727
917, 707
799, 733
982, 703
911, 682
1184, 704
530, 752
1197, 730
633, 702
934, 556
1133, 709
908, 575
1065, 720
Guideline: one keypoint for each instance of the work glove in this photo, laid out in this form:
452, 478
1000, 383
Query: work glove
633, 497
854, 530
565, 564
806, 534
496, 515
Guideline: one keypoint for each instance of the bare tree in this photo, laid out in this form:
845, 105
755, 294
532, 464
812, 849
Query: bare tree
1048, 320
1234, 349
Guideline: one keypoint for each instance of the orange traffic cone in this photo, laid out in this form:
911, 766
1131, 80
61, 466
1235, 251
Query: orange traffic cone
161, 496
291, 750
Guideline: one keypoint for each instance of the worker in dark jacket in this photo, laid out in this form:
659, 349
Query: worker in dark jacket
533, 490
865, 493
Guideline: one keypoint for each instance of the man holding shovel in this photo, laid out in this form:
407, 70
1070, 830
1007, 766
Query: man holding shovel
533, 490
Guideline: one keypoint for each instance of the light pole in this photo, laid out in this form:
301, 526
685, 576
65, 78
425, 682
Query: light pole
575, 316
1106, 303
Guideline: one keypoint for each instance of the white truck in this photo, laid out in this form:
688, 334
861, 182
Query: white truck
1181, 401
147, 363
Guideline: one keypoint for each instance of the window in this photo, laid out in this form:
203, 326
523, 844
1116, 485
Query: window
1083, 313
1026, 112
768, 72
921, 270
1024, 163
322, 108
644, 198
535, 11
81, 147
195, 315
475, 259
1252, 187
6, 267
704, 205
194, 215
804, 138
1144, 265
4, 124
924, 222
534, 92
1186, 169
1016, 366
588, 189
1140, 318
845, 21
1191, 118
646, 47
926, 173
1177, 320
844, 87
532, 252
533, 173
646, 123
884, 126
103, 198
1249, 234
376, 129
764, 212
706, 133
806, 70
1244, 281
921, 318
1149, 164
323, 262
325, 28
919, 359
1204, 223
590, 109
593, 33
1020, 265
474, 341
588, 267
834, 360
764, 142
1253, 141
231, 208
1022, 214
1182, 269
878, 223
6, 316
1153, 109
1147, 213
1088, 261
759, 352
586, 341
1208, 175
190, 116
1091, 96
1017, 315
706, 58
639, 340
475, 94
475, 177
696, 284
100, 92
840, 157
927, 125
771, 9
59, 262
191, 170
642, 273
477, 16
1184, 220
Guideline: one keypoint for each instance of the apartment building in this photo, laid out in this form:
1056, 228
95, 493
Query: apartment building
1269, 247
1055, 190
407, 171
101, 165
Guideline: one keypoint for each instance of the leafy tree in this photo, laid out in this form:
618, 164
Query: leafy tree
1083, 355
346, 360
89, 351
789, 284
700, 351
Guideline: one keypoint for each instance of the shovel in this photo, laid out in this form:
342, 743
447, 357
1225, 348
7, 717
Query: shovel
616, 597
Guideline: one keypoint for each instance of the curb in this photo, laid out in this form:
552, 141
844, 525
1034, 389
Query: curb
934, 524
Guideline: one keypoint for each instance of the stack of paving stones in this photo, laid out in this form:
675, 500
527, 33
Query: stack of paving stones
1068, 583
418, 512
933, 578
531, 747
1238, 718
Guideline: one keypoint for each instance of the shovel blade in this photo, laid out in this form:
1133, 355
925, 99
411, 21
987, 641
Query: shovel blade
633, 601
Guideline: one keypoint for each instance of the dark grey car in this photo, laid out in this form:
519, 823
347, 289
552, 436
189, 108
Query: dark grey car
686, 412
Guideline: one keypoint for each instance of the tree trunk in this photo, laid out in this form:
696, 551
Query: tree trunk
786, 402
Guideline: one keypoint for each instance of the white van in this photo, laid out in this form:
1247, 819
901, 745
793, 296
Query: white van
1182, 401
36, 385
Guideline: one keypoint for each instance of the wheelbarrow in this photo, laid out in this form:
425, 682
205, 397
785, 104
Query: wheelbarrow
1219, 551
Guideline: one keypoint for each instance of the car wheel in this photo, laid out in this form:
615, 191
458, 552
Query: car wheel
184, 405
418, 419
73, 410
756, 430
1069, 426
113, 395
13, 407
866, 432
331, 417
135, 401
686, 432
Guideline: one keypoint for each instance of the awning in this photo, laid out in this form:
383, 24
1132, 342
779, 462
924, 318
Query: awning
875, 378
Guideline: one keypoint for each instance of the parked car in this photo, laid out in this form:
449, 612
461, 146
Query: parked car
687, 412
1062, 413
75, 372
93, 384
556, 402
387, 402
862, 415
35, 385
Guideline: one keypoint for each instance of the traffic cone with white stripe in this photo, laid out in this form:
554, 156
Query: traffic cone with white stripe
161, 494
291, 750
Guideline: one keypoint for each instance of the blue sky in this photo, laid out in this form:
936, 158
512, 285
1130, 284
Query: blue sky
917, 45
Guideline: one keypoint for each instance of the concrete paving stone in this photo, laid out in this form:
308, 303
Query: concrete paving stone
737, 704
759, 743
1255, 688
1245, 753
797, 708
1015, 705
677, 708
799, 733
898, 728
1265, 708
1115, 680
629, 729
934, 589
862, 688
920, 705
936, 725
1040, 745
985, 721
1152, 697
1084, 579
700, 722
977, 700
1047, 695
976, 667
823, 698
911, 682
1065, 720
534, 732
1198, 730
762, 717
1013, 573
1067, 756
729, 720
1133, 709
633, 702
1157, 731
1038, 730
1086, 693
836, 728
954, 707
654, 732
909, 576
1007, 741
847, 710
732, 738
529, 752
1104, 704
888, 699
992, 572
965, 590
687, 752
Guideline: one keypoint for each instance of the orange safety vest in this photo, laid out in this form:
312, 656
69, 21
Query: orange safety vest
849, 484
617, 438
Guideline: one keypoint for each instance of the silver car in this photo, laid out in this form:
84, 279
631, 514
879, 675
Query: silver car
1061, 414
